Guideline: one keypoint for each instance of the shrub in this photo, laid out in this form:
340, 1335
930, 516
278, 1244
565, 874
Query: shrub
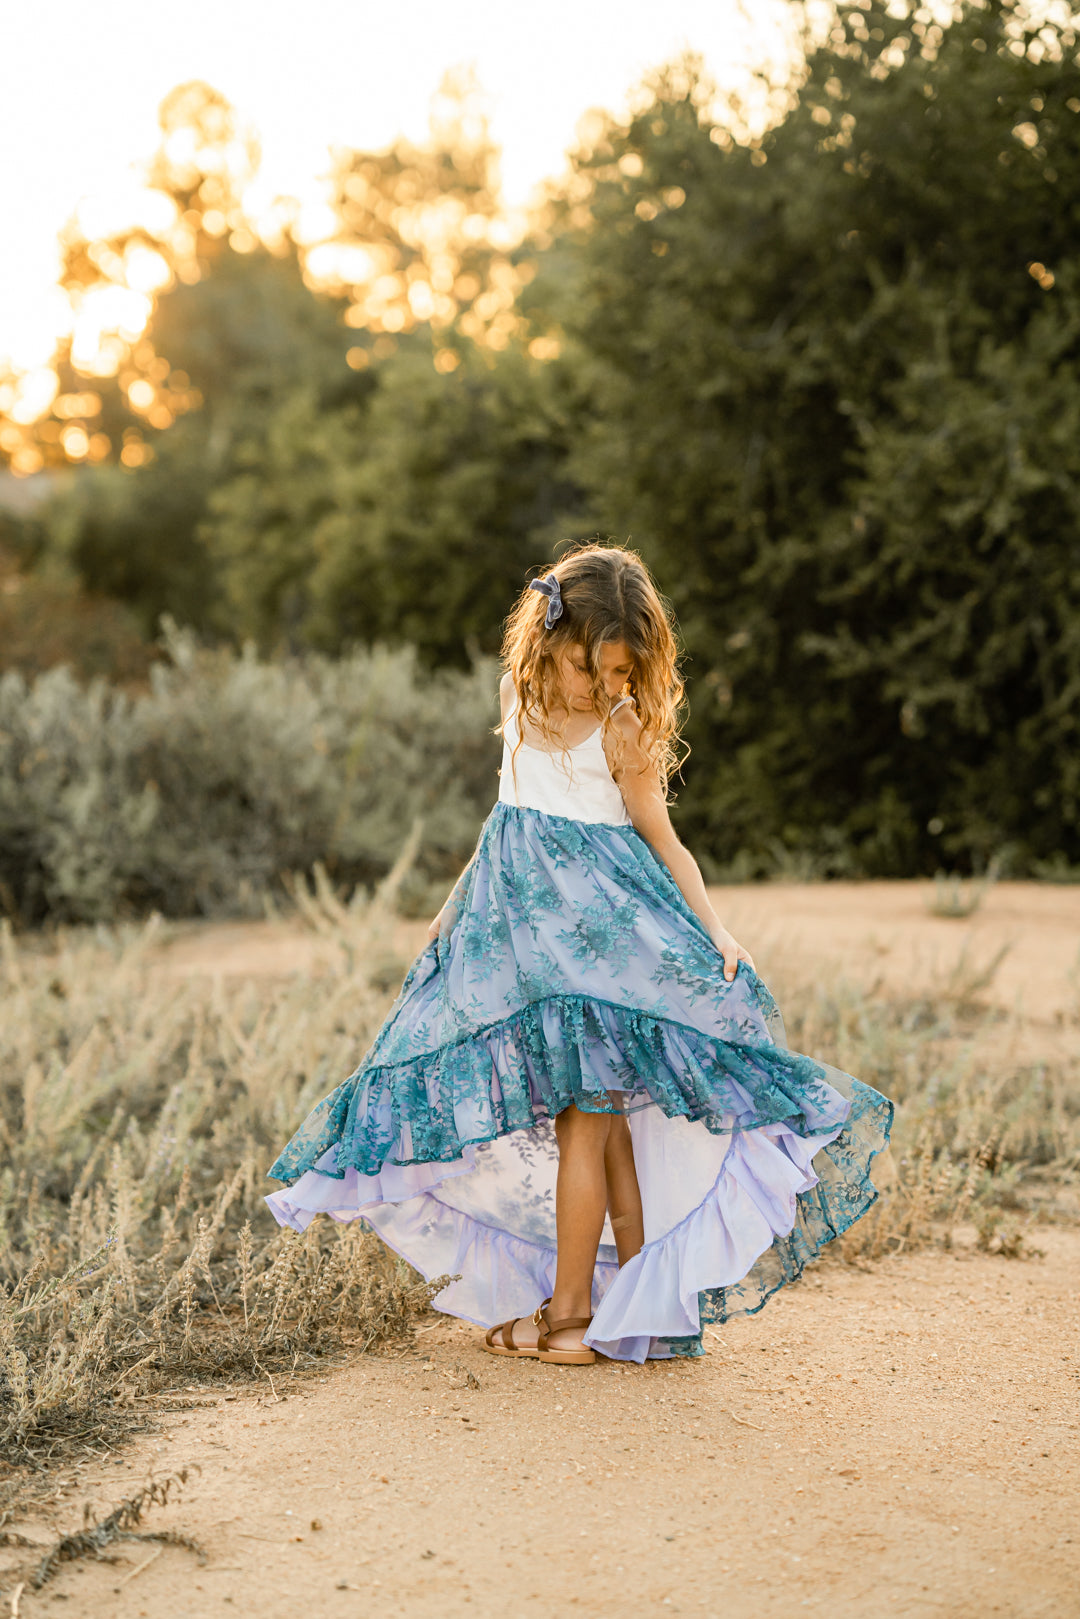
138, 1116
197, 796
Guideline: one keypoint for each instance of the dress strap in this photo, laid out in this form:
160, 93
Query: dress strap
620, 704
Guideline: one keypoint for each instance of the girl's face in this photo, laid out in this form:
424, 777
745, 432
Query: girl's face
616, 667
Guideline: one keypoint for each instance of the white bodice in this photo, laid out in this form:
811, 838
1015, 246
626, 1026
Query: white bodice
577, 784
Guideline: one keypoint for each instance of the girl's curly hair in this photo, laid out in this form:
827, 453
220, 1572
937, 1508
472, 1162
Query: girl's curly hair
608, 595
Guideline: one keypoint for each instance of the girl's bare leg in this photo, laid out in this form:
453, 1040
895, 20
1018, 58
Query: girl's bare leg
623, 1192
581, 1199
580, 1210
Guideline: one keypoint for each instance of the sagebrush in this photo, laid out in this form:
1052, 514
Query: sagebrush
138, 1116
196, 796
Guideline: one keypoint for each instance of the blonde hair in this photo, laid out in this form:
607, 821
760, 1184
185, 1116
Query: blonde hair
608, 595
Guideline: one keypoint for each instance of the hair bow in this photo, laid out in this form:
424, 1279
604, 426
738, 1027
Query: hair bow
549, 587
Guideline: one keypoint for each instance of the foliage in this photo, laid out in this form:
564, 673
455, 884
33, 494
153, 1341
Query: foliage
987, 1126
47, 621
829, 390
959, 896
421, 234
239, 339
137, 1115
823, 377
247, 341
415, 517
198, 795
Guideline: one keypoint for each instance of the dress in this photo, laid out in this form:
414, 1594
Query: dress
575, 967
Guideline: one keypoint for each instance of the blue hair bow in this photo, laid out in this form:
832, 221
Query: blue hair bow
549, 587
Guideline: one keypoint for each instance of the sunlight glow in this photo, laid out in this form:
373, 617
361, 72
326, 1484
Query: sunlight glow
124, 201
141, 394
108, 319
37, 390
76, 442
87, 175
145, 270
77, 406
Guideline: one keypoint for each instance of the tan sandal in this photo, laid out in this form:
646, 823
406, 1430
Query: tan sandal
508, 1346
562, 1357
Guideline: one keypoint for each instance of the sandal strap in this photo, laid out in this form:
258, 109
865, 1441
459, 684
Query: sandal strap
507, 1330
560, 1326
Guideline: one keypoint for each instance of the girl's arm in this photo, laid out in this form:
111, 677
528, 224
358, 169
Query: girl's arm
648, 811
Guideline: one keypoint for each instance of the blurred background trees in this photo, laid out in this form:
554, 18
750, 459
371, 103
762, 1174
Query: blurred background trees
825, 371
824, 379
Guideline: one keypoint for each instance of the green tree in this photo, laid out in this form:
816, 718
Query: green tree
821, 374
234, 328
413, 518
422, 238
254, 377
247, 335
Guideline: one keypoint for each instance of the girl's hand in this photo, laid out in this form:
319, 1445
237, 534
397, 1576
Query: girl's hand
732, 952
435, 926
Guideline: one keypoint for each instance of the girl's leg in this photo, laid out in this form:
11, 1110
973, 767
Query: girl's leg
596, 1173
623, 1192
581, 1199
580, 1210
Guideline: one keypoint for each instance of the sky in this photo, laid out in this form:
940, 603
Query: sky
80, 86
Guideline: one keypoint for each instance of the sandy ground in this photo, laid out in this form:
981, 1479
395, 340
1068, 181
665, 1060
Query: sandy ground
896, 1440
874, 932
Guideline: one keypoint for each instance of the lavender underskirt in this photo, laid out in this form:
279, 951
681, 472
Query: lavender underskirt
573, 967
713, 1206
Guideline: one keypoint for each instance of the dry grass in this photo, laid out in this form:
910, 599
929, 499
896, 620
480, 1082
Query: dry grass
960, 897
136, 1123
137, 1116
987, 1132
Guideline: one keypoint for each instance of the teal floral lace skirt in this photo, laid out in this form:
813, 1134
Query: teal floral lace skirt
573, 969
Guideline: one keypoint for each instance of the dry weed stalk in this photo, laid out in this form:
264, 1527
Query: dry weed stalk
122, 1523
136, 1116
137, 1113
980, 1125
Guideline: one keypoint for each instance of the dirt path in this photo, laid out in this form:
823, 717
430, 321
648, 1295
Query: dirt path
873, 932
904, 1440
899, 1441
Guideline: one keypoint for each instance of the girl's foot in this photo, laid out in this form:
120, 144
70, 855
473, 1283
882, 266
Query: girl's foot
549, 1348
516, 1337
542, 1338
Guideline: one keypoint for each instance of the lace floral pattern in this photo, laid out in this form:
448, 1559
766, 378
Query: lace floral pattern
570, 966
844, 1193
512, 1015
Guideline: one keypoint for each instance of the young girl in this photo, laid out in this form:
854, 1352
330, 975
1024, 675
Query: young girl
581, 1104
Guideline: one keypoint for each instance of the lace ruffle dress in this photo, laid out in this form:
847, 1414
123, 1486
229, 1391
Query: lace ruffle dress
575, 968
